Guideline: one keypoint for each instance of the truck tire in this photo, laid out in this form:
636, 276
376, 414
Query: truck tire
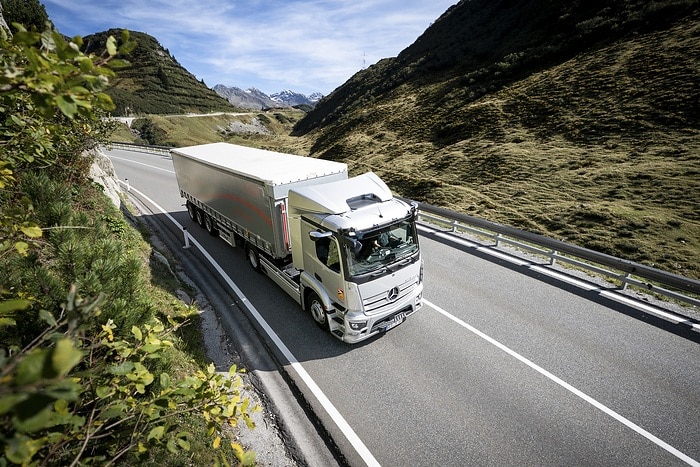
253, 257
210, 225
318, 313
199, 214
192, 211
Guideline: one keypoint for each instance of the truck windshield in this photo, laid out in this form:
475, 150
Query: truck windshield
369, 252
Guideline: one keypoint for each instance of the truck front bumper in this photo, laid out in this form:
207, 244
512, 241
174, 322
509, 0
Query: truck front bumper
354, 331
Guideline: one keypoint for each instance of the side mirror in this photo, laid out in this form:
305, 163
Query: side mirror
314, 235
356, 247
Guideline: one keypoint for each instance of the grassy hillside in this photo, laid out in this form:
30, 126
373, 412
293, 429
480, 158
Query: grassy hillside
156, 83
578, 120
236, 128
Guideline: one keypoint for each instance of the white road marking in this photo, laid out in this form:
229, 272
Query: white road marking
339, 420
685, 458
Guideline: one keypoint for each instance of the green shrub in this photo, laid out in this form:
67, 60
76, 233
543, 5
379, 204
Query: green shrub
83, 377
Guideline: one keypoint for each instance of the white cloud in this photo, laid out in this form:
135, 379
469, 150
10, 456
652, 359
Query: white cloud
305, 45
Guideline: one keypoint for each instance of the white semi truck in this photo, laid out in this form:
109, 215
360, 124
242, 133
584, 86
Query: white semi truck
344, 248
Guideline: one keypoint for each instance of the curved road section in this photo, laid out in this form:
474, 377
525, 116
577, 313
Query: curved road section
503, 366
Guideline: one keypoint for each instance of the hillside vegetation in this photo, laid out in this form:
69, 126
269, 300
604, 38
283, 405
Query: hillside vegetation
577, 120
155, 83
262, 129
100, 363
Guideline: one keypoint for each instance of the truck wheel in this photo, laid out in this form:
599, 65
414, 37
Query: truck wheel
318, 313
192, 211
253, 257
200, 217
210, 225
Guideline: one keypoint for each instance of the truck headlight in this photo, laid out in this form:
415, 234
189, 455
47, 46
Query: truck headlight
357, 325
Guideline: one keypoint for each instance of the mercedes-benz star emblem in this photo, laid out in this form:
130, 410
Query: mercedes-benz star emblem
393, 294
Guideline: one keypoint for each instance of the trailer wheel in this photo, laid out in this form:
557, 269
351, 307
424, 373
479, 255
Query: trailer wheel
200, 217
318, 313
253, 257
192, 211
210, 225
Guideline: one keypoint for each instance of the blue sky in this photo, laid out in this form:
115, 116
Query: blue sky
304, 45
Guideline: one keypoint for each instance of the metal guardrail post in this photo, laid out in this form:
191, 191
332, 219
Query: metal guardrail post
625, 280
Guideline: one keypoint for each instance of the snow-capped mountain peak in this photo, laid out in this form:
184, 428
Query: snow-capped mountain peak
253, 98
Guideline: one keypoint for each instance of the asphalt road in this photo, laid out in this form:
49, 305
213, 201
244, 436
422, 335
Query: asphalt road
502, 366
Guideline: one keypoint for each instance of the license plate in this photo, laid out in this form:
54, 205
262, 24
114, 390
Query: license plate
398, 319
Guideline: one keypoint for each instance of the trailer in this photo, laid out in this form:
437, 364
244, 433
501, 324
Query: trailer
344, 248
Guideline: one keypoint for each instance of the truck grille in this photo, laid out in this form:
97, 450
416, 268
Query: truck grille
381, 302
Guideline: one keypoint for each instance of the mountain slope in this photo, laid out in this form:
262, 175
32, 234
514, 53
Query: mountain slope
579, 120
485, 44
156, 83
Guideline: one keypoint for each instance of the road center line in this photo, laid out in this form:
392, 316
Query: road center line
685, 458
338, 419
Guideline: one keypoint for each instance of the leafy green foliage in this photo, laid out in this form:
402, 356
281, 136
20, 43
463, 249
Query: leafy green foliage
84, 378
90, 397
50, 96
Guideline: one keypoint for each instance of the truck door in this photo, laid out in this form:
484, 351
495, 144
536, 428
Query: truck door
327, 269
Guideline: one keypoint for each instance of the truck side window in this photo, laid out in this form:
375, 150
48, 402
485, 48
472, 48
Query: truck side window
322, 249
333, 257
327, 253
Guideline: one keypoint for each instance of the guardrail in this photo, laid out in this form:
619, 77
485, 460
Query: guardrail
627, 272
164, 150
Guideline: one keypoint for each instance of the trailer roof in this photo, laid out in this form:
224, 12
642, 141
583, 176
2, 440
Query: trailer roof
274, 168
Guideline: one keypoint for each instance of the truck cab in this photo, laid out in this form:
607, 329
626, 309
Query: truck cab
357, 249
